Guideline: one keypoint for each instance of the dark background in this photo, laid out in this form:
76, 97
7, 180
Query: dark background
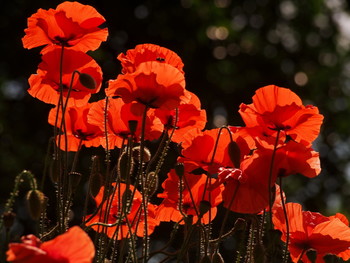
229, 48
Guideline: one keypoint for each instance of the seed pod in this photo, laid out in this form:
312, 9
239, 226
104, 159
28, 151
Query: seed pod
204, 207
311, 255
180, 169
35, 202
217, 258
136, 154
151, 183
87, 81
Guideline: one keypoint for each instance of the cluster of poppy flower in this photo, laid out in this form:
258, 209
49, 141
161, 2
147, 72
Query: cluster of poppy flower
234, 166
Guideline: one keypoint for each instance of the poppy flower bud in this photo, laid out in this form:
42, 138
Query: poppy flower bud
8, 219
123, 166
87, 81
217, 258
146, 154
151, 183
35, 202
180, 169
234, 153
205, 259
74, 180
204, 207
132, 126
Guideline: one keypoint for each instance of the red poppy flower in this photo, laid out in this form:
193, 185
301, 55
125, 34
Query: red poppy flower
313, 231
74, 246
201, 151
148, 52
153, 84
187, 117
118, 116
78, 130
279, 109
135, 216
71, 25
45, 84
251, 190
194, 186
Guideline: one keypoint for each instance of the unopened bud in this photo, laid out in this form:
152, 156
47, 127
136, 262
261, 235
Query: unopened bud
180, 169
125, 166
146, 154
35, 202
87, 81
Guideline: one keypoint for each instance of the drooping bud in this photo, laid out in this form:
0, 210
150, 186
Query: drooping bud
180, 169
136, 154
151, 183
87, 81
35, 202
204, 206
235, 153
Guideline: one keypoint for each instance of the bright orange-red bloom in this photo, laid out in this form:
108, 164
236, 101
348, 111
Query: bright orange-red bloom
200, 150
279, 109
153, 84
117, 119
71, 24
134, 218
193, 186
45, 84
148, 52
313, 231
186, 117
74, 246
78, 130
250, 191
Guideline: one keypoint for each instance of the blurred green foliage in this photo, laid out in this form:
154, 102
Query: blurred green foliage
230, 48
